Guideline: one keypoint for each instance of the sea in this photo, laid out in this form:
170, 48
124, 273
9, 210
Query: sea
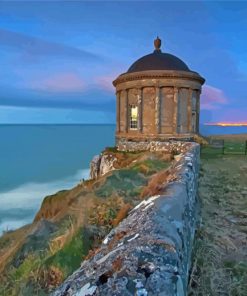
39, 160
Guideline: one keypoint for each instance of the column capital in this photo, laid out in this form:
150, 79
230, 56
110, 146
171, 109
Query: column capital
176, 89
138, 85
190, 90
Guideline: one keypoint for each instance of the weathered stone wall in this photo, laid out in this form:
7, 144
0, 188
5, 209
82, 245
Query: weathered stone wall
149, 252
171, 146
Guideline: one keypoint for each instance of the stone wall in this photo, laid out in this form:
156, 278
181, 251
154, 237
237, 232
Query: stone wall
149, 252
171, 146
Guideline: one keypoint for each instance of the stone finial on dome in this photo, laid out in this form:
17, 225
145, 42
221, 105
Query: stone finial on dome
157, 44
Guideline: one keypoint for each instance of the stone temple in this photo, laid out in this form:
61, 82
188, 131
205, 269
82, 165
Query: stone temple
158, 99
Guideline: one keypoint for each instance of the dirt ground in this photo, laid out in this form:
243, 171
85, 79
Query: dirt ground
220, 251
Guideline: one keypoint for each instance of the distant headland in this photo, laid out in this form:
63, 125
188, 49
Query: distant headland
226, 123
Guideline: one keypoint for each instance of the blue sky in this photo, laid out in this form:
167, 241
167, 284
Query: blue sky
58, 59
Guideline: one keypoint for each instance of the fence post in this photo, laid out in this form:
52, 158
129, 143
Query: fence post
223, 150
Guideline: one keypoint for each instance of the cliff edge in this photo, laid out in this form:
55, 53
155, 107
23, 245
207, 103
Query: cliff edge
149, 252
71, 224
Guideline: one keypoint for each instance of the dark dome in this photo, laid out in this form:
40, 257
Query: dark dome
158, 61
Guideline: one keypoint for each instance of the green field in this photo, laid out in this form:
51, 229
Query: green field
229, 146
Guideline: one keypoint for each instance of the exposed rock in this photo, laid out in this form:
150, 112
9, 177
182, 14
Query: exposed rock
106, 164
149, 252
101, 165
95, 166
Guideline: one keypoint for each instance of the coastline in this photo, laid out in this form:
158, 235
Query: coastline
20, 205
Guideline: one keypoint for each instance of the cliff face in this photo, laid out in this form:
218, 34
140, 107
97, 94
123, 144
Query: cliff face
149, 252
71, 224
101, 165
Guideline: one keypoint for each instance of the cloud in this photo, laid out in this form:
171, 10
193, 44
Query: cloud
62, 82
89, 99
34, 46
106, 82
212, 98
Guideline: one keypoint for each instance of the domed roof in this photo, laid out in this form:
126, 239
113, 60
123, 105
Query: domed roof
158, 61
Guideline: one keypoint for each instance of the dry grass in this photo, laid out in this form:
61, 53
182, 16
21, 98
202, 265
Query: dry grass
220, 251
156, 184
35, 259
121, 214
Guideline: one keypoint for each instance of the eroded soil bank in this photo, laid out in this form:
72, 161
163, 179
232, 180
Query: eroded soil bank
220, 259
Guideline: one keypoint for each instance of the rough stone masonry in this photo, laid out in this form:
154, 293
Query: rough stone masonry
148, 253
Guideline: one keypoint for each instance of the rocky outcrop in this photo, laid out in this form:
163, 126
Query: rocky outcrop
149, 252
94, 167
101, 164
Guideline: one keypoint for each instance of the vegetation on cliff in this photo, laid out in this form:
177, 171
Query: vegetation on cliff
71, 224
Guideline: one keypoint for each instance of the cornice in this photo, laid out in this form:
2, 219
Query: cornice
154, 74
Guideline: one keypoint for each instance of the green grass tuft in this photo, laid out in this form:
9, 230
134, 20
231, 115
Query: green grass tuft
71, 255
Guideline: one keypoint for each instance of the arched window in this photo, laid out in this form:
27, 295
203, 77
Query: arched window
133, 116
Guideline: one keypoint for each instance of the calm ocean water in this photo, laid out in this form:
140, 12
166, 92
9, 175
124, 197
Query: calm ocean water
38, 160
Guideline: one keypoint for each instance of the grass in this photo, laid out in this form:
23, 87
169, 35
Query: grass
123, 182
24, 270
150, 166
71, 255
219, 259
129, 182
79, 219
231, 146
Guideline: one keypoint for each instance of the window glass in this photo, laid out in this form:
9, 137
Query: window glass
133, 116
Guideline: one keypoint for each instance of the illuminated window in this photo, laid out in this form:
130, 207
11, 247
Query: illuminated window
133, 116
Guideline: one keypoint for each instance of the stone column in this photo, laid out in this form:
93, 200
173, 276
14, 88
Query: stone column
198, 110
175, 115
157, 109
126, 111
140, 108
189, 111
118, 110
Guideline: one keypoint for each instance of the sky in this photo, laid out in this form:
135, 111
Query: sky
58, 59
